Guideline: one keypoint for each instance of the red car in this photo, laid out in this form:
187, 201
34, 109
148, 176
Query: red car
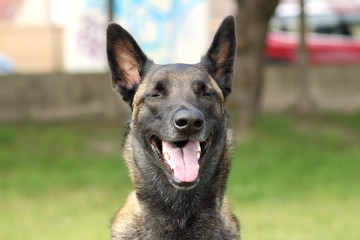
333, 33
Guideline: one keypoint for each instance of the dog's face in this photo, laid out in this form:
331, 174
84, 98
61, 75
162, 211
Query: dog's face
177, 109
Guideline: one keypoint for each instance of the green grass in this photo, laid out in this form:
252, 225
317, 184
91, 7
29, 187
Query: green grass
291, 179
299, 179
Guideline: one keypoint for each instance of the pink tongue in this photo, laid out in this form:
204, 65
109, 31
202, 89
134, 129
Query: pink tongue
183, 160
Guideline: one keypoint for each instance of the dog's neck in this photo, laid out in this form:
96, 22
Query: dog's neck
175, 206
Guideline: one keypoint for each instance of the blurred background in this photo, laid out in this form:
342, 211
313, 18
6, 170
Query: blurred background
295, 107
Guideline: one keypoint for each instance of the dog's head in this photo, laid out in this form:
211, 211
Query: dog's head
177, 109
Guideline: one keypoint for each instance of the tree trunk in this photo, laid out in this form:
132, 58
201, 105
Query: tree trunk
252, 25
305, 103
110, 10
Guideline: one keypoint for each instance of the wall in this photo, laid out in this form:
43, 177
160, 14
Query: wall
65, 96
168, 31
59, 97
25, 12
332, 88
85, 36
32, 49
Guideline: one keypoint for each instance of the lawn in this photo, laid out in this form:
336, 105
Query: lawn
291, 179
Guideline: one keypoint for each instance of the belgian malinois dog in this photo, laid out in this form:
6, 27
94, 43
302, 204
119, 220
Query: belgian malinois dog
178, 143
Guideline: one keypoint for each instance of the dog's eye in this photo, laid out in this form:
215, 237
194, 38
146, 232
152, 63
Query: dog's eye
206, 94
155, 95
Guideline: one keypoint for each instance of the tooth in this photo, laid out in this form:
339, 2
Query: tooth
198, 154
199, 148
166, 156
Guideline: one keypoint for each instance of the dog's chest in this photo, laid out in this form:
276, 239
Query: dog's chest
178, 235
206, 230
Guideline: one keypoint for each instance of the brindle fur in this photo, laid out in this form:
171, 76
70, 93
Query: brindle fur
158, 209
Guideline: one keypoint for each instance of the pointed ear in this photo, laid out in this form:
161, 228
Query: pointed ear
126, 61
219, 59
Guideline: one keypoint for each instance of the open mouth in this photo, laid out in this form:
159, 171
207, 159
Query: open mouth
181, 158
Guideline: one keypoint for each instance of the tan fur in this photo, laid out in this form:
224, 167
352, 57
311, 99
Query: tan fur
130, 218
213, 83
140, 92
218, 90
127, 219
127, 64
229, 219
129, 159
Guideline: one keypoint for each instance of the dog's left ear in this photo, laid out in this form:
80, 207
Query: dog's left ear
219, 60
126, 60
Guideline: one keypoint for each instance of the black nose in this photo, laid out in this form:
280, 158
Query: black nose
189, 120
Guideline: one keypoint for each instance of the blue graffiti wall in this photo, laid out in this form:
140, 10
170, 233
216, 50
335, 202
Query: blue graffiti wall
158, 26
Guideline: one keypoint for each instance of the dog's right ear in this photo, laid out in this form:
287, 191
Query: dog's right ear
126, 61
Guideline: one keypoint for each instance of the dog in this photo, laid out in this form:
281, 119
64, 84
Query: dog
178, 143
